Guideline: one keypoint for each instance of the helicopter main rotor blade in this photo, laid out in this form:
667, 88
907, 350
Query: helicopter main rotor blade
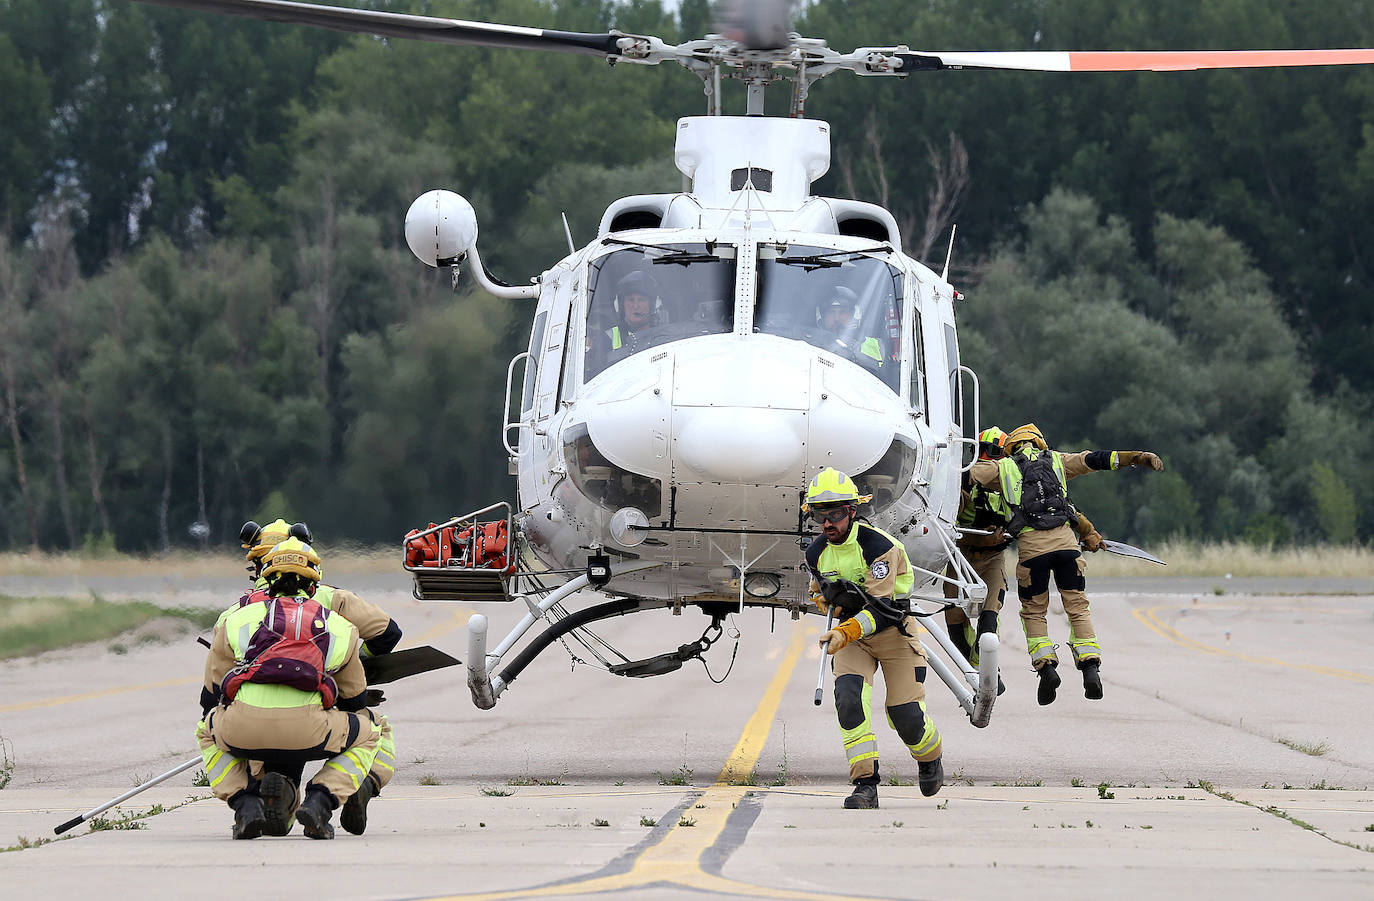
399, 25
1129, 61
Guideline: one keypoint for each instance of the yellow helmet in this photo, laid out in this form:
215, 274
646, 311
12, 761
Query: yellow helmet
830, 486
292, 556
264, 539
992, 443
1029, 432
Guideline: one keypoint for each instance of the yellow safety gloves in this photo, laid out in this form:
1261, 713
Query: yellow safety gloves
1138, 458
840, 636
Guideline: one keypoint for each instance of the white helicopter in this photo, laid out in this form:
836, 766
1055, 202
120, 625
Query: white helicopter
694, 366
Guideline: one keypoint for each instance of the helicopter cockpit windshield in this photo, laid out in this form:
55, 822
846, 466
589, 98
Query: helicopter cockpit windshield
845, 302
649, 294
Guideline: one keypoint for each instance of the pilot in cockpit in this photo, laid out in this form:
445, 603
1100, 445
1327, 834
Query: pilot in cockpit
635, 310
840, 316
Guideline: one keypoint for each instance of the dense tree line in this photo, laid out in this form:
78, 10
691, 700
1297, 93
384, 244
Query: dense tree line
207, 311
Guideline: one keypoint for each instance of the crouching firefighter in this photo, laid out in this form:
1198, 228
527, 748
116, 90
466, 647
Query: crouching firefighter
289, 688
379, 633
864, 574
1034, 482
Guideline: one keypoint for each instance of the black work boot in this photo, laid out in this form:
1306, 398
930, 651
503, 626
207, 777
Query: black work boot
1092, 680
959, 640
353, 817
864, 796
315, 811
249, 816
932, 776
279, 801
1049, 683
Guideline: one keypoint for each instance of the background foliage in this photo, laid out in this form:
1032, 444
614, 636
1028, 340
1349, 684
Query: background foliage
207, 311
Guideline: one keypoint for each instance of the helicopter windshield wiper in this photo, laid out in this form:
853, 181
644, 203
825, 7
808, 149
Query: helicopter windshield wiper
826, 261
671, 255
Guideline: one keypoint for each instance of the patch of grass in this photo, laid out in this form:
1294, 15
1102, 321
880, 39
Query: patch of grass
621, 782
751, 779
1369, 828
6, 762
496, 792
680, 776
1019, 783
201, 779
1076, 782
686, 822
943, 805
1322, 786
1191, 558
1102, 792
521, 780
1284, 815
1312, 749
429, 779
896, 779
647, 821
898, 824
601, 822
32, 625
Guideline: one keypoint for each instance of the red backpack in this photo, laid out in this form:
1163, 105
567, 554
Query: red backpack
288, 648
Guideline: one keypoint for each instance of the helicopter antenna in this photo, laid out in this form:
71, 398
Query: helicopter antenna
949, 253
567, 232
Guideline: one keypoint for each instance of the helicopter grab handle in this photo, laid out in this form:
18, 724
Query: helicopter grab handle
976, 430
507, 425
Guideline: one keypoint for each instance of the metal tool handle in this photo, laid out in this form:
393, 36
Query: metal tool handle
820, 674
76, 821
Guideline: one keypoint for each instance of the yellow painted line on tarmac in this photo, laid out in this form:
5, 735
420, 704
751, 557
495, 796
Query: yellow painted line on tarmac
676, 858
459, 619
93, 695
1149, 617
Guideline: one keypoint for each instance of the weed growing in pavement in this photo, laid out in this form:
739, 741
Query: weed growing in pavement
6, 762
1088, 823
751, 779
601, 822
896, 779
201, 779
699, 806
1019, 783
1322, 786
495, 792
429, 779
1076, 782
681, 776
1369, 828
686, 822
646, 821
1103, 794
1283, 815
898, 824
1312, 749
943, 805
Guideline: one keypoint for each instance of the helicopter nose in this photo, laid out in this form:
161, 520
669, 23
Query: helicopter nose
741, 445
741, 417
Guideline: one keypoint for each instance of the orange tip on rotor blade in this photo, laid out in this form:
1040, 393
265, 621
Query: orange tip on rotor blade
1184, 60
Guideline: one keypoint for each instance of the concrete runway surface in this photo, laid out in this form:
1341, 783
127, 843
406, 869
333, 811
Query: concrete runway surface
1232, 757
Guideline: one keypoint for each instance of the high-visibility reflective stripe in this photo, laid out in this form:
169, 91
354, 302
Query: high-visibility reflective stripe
1116, 460
1084, 647
867, 624
1040, 649
860, 743
928, 748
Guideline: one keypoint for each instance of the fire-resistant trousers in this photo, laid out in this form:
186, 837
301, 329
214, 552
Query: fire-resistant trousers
1033, 587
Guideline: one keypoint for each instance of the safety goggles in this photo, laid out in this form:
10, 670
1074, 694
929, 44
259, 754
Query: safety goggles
833, 515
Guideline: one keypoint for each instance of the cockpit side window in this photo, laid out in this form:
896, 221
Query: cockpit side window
647, 294
844, 302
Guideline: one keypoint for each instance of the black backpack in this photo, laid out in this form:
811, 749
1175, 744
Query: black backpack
1044, 503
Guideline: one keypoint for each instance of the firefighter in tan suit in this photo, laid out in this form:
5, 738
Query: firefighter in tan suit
380, 635
289, 686
1034, 481
983, 511
874, 630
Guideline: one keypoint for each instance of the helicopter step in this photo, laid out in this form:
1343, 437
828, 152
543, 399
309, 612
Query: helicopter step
469, 558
